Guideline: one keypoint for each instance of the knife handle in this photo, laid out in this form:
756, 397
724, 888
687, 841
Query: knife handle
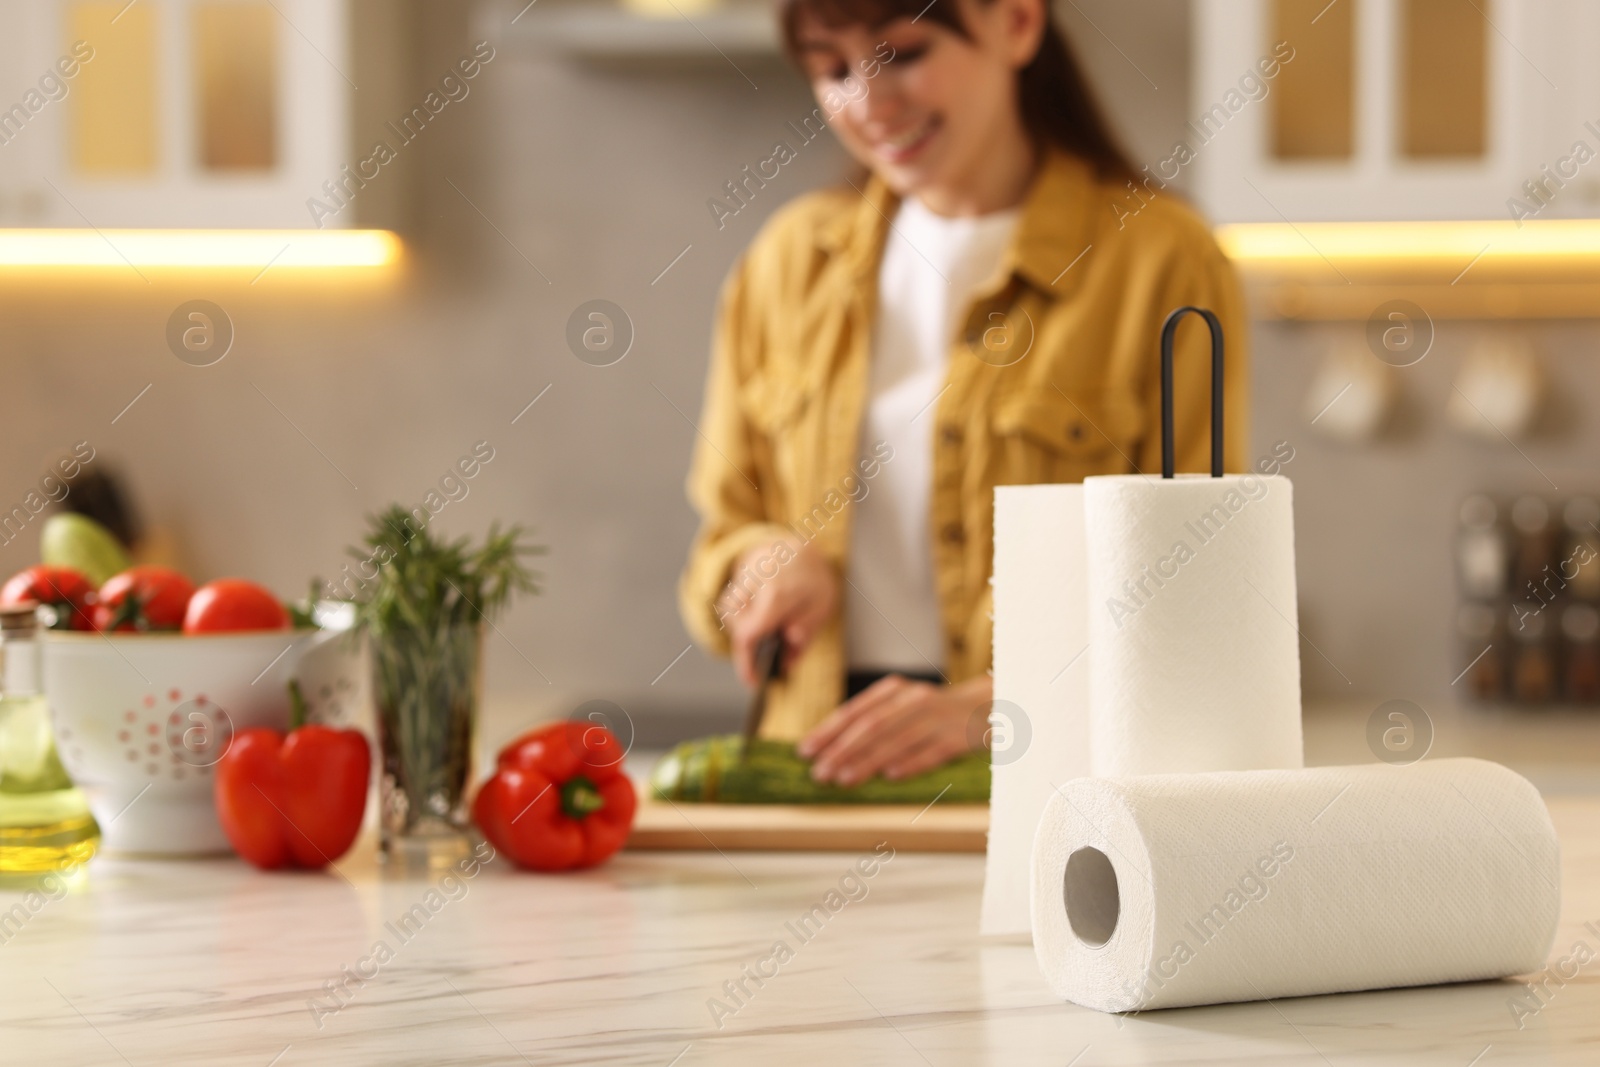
769, 658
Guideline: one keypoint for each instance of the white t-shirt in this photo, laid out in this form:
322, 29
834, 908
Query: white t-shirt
931, 268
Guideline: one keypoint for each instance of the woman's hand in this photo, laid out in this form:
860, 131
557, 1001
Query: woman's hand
796, 593
899, 728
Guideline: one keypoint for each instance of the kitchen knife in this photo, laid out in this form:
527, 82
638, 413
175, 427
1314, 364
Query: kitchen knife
769, 665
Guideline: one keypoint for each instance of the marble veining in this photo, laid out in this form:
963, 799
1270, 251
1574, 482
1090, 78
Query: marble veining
673, 960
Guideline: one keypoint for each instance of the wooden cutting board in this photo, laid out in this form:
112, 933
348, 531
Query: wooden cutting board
674, 825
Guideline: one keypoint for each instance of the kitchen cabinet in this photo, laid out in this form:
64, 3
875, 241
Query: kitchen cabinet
173, 113
1396, 110
1443, 153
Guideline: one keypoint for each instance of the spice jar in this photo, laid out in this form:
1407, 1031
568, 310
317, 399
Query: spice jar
1480, 646
1480, 550
1533, 552
1580, 627
1533, 663
1580, 556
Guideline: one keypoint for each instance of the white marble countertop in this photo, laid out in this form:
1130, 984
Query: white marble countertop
212, 963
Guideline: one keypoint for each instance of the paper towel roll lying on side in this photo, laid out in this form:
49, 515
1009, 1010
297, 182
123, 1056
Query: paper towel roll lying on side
1172, 890
1195, 656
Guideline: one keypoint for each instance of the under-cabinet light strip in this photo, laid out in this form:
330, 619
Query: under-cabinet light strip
282, 249
1458, 242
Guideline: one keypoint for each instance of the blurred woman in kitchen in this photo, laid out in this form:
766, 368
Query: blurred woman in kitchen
981, 307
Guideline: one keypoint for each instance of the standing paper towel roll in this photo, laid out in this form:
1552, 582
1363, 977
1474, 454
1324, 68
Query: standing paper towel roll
1041, 681
1171, 890
1195, 656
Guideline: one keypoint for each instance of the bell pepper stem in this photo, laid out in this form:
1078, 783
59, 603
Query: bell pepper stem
580, 798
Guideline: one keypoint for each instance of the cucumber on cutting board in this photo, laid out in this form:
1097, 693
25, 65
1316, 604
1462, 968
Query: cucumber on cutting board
709, 771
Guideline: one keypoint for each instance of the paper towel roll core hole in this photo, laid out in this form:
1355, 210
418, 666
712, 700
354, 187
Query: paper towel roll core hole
1089, 889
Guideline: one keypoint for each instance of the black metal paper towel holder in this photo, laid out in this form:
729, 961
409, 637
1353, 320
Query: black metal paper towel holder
1169, 330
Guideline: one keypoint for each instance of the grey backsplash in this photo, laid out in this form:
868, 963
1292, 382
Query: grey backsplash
595, 179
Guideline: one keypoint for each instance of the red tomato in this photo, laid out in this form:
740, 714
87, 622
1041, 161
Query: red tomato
230, 604
62, 588
143, 598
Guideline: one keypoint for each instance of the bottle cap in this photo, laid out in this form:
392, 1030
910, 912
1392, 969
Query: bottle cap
1580, 623
1530, 514
1525, 626
1582, 515
1478, 512
17, 620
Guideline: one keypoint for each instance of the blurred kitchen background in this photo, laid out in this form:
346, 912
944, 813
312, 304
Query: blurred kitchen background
1427, 379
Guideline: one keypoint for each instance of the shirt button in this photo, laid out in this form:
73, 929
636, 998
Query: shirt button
950, 435
953, 534
958, 644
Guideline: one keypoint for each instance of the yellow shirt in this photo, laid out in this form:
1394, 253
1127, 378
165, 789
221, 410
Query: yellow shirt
1055, 377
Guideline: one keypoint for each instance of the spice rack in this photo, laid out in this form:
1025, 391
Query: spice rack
1527, 627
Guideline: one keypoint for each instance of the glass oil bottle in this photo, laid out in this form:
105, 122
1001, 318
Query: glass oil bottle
45, 822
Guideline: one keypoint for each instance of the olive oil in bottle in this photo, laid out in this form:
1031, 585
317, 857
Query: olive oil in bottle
45, 823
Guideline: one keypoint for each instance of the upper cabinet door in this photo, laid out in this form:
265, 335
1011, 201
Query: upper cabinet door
1395, 109
172, 113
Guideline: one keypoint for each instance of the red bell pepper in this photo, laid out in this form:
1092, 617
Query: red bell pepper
559, 798
295, 801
